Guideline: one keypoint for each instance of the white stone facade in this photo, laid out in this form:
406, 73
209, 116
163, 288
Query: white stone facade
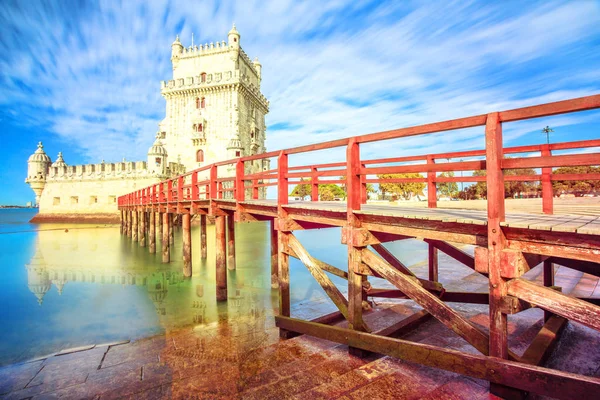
214, 112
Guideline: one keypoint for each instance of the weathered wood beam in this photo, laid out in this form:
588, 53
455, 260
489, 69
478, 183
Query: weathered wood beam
530, 378
556, 302
446, 315
315, 270
466, 297
453, 252
541, 346
587, 267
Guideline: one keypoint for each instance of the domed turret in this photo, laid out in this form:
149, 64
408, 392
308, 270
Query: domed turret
37, 170
234, 147
60, 162
176, 50
258, 67
157, 157
38, 280
233, 38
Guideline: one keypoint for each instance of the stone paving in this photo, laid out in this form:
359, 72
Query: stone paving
242, 358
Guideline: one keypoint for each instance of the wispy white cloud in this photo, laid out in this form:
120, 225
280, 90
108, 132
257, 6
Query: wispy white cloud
91, 74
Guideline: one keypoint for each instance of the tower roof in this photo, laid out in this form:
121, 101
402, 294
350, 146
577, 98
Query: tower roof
157, 149
40, 155
60, 162
177, 42
234, 30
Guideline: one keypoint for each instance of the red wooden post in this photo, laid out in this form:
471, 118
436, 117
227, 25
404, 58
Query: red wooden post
353, 183
547, 192
142, 225
152, 232
213, 183
240, 190
496, 242
195, 190
364, 196
180, 188
274, 254
548, 281
255, 189
282, 180
431, 187
314, 184
161, 192
220, 191
433, 263
170, 190
134, 226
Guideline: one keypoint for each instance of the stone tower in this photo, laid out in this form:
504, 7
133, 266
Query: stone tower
215, 110
37, 170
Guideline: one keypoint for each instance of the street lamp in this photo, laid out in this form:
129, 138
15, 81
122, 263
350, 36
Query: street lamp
547, 131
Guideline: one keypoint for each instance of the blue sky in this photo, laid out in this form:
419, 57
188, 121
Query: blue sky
83, 77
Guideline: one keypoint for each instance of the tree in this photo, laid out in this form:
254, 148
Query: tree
582, 186
449, 189
405, 190
331, 190
512, 188
302, 189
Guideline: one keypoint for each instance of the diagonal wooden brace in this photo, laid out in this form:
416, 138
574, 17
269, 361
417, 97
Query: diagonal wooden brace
328, 286
428, 301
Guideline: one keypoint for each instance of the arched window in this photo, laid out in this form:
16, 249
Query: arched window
203, 77
199, 128
200, 156
198, 102
203, 103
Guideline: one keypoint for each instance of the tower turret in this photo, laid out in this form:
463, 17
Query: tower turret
37, 170
176, 50
258, 67
157, 157
60, 162
234, 148
233, 38
38, 279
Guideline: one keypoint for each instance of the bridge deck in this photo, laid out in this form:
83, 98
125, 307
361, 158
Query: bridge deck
584, 224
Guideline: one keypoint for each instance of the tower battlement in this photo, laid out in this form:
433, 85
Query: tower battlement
105, 171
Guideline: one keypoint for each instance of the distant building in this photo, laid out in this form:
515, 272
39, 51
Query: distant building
214, 112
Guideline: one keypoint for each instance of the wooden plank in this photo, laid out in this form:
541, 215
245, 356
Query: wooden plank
428, 301
541, 346
569, 160
531, 378
583, 266
548, 109
553, 250
556, 302
466, 297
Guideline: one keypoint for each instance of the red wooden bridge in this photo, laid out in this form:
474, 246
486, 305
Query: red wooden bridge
506, 245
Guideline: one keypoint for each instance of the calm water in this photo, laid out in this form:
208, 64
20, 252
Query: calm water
91, 285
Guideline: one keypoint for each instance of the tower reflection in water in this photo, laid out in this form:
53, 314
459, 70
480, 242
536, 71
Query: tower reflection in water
124, 281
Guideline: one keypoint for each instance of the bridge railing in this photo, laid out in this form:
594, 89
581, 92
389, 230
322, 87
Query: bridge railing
355, 173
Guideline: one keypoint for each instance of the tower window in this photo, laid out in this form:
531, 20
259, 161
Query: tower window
197, 102
235, 39
238, 153
200, 156
203, 77
203, 103
158, 160
199, 128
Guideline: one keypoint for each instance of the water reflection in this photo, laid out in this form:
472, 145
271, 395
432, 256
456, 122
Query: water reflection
93, 285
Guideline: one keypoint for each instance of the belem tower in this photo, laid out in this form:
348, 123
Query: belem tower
215, 111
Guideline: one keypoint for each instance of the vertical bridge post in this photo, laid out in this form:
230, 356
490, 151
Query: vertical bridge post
354, 185
187, 244
283, 263
547, 192
166, 242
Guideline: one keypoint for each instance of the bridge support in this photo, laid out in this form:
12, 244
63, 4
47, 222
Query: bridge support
134, 226
230, 242
129, 223
203, 246
122, 214
152, 233
187, 245
159, 222
166, 243
221, 257
142, 228
274, 255
170, 225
